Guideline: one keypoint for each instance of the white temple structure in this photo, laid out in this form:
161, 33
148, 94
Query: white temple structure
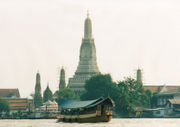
87, 66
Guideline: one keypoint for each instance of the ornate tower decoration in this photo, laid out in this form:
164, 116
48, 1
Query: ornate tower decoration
87, 66
62, 82
47, 95
139, 76
37, 95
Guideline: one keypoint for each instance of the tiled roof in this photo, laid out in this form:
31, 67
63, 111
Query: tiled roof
9, 93
158, 88
152, 88
169, 92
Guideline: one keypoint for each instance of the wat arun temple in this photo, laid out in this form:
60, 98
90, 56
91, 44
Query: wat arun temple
87, 65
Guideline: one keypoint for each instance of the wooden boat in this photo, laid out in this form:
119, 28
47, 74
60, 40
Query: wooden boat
99, 110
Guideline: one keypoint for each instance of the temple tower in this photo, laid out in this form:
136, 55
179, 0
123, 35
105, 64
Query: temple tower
87, 65
62, 82
139, 76
47, 95
37, 95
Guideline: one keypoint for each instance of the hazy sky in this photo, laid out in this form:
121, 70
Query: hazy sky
45, 35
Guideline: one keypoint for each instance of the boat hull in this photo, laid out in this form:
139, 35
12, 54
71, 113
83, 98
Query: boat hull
104, 118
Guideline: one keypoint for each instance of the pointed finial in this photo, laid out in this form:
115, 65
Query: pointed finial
88, 13
48, 84
138, 67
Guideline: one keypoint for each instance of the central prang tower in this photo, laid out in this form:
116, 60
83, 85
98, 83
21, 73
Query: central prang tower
87, 66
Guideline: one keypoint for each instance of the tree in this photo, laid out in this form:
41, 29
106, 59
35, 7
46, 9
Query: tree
4, 105
65, 94
148, 98
126, 93
131, 94
98, 86
47, 95
154, 99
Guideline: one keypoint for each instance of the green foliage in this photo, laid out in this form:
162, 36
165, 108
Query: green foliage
148, 95
131, 94
65, 94
47, 95
98, 86
154, 99
4, 105
126, 94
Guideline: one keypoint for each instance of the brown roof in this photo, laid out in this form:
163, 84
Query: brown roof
9, 93
159, 87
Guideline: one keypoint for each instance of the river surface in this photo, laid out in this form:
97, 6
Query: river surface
112, 123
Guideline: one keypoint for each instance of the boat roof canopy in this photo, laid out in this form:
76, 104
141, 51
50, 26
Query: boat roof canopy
72, 104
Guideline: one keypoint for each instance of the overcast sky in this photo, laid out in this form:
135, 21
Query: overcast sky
45, 35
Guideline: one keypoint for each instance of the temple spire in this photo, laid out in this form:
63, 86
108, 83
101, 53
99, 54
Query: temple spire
87, 65
37, 95
87, 27
87, 14
139, 76
62, 82
47, 95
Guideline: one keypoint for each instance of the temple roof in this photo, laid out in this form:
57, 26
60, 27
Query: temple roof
158, 88
9, 93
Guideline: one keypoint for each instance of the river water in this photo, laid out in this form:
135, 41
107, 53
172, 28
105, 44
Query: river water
112, 123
